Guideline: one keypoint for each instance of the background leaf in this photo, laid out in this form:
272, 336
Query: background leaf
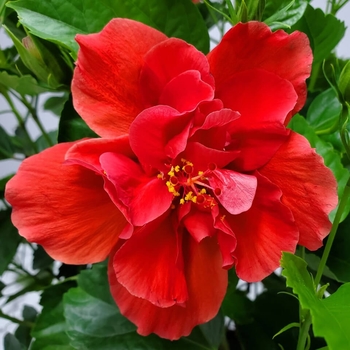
330, 316
49, 330
324, 31
9, 238
60, 20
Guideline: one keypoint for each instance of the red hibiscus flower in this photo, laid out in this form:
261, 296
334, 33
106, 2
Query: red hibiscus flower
195, 170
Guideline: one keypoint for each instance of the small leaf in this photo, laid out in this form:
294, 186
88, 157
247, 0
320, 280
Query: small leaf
330, 316
324, 31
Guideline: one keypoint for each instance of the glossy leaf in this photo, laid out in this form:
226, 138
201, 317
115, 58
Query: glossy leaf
7, 146
324, 110
94, 321
330, 316
331, 157
283, 14
42, 142
22, 332
12, 343
324, 31
9, 239
59, 21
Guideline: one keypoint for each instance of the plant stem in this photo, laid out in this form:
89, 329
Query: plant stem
20, 120
16, 320
36, 120
304, 331
331, 236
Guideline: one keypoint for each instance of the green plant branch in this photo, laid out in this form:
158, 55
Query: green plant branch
16, 320
32, 111
331, 236
304, 331
20, 120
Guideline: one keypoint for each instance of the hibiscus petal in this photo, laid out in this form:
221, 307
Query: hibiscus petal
309, 188
206, 285
87, 152
186, 91
202, 156
146, 265
262, 233
168, 60
145, 198
253, 45
64, 208
158, 135
263, 100
105, 87
235, 191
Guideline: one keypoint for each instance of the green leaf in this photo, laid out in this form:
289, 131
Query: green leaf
344, 82
41, 259
324, 111
94, 321
71, 126
283, 14
55, 104
42, 143
59, 21
24, 85
7, 146
49, 330
330, 316
12, 343
9, 239
331, 157
22, 332
324, 31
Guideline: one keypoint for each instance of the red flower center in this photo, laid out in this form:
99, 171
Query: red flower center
190, 186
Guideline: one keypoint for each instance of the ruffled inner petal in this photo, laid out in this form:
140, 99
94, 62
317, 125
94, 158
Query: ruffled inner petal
263, 100
235, 191
166, 61
144, 197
